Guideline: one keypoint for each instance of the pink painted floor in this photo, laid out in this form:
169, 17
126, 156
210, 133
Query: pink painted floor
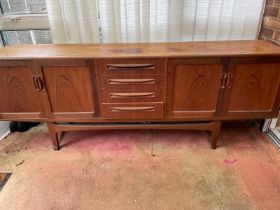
141, 170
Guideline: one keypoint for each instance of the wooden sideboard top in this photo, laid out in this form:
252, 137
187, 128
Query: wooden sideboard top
179, 49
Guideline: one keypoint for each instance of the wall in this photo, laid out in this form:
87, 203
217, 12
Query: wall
270, 29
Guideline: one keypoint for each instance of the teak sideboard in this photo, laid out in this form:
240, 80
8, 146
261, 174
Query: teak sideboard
140, 86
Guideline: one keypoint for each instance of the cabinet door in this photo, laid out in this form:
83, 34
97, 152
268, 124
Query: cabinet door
193, 87
19, 98
254, 89
69, 89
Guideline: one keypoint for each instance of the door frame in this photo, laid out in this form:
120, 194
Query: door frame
269, 127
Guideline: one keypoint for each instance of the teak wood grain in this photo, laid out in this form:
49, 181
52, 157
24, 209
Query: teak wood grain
250, 89
132, 110
19, 98
132, 81
145, 50
254, 89
132, 95
194, 87
146, 86
69, 90
131, 66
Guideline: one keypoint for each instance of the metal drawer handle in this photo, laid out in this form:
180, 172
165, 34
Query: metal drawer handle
129, 109
130, 66
131, 81
131, 95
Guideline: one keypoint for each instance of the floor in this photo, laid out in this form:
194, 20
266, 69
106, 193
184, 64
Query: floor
141, 170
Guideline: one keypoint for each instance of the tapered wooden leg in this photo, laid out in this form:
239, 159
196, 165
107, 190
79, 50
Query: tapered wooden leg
215, 134
54, 136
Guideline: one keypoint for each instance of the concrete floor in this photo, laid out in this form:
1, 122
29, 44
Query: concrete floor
141, 170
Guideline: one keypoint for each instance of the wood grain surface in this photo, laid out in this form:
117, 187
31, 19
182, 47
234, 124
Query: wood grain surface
185, 49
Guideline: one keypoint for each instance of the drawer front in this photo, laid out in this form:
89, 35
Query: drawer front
134, 66
139, 81
132, 95
132, 111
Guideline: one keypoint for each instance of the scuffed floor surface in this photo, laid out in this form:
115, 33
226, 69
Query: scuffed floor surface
141, 170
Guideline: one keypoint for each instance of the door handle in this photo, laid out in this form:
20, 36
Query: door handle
224, 80
41, 84
34, 78
229, 80
38, 83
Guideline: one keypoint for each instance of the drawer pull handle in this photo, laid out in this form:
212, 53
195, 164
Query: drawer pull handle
129, 109
131, 95
130, 66
131, 81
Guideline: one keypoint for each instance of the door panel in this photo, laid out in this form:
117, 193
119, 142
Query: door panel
19, 98
254, 90
69, 90
194, 87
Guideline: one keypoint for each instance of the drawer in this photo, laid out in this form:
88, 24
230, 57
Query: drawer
132, 111
134, 66
111, 82
132, 95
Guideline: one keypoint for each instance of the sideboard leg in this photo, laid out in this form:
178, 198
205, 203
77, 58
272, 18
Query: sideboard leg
215, 134
54, 136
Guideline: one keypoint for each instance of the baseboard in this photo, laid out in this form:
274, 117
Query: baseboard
4, 129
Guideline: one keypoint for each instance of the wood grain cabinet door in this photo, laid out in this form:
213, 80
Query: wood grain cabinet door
69, 89
253, 91
19, 98
193, 87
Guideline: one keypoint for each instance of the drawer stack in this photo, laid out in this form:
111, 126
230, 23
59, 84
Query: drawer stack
132, 89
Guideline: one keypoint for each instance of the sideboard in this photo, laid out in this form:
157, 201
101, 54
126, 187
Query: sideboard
195, 85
